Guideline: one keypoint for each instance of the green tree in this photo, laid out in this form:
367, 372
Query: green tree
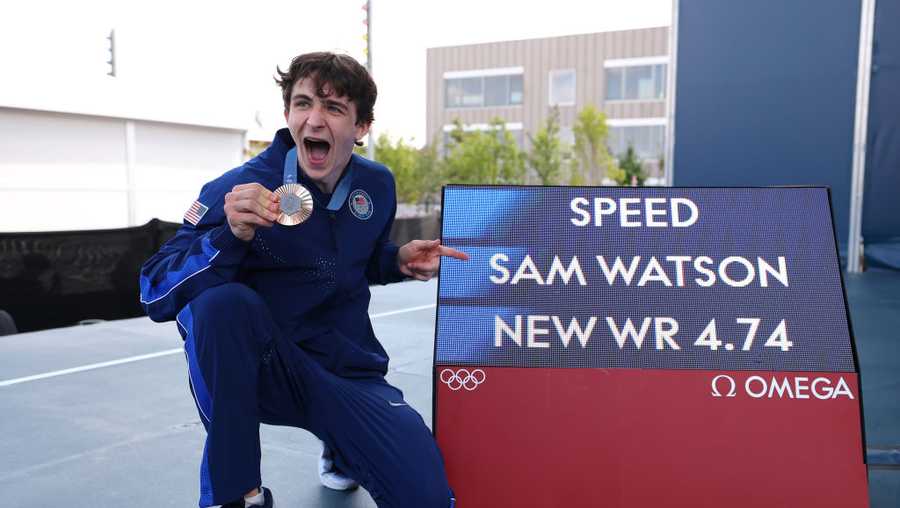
428, 166
546, 155
592, 156
403, 160
631, 169
576, 176
484, 157
255, 148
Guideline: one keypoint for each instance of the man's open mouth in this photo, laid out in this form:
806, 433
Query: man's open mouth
316, 149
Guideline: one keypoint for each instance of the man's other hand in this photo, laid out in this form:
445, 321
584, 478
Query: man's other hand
421, 259
249, 206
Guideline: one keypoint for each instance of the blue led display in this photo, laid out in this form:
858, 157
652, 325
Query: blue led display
709, 278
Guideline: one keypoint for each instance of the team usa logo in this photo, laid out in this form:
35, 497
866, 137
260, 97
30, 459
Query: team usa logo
360, 204
462, 379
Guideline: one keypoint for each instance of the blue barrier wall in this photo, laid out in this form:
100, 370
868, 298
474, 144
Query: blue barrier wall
881, 202
766, 95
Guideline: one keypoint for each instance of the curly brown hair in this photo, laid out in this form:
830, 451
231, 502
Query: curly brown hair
341, 73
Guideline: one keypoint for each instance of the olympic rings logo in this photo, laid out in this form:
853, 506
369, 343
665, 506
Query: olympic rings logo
462, 378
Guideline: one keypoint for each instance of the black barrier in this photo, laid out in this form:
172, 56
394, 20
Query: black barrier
425, 228
61, 278
57, 279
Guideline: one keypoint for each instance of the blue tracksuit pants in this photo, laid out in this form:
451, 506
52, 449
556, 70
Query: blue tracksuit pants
243, 372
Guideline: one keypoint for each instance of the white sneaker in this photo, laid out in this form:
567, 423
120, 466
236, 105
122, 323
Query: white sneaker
329, 476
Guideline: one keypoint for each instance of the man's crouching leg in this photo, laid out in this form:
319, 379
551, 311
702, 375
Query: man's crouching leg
382, 442
228, 333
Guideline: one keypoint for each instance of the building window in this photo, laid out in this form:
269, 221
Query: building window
562, 87
636, 79
646, 135
483, 88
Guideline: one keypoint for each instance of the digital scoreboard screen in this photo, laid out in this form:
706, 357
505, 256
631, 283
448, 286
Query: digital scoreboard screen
598, 330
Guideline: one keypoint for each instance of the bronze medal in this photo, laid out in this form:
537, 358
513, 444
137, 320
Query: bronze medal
295, 204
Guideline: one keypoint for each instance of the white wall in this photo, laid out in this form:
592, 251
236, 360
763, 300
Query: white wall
63, 171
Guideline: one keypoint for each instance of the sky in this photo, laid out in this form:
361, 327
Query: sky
212, 63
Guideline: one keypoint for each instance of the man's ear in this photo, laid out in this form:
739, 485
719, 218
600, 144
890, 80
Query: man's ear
286, 114
362, 130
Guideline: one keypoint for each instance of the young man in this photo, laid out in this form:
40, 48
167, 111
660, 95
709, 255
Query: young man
275, 317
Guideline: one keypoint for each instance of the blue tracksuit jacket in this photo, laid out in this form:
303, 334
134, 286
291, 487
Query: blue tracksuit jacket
314, 276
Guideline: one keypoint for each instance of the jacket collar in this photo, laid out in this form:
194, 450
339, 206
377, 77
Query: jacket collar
273, 156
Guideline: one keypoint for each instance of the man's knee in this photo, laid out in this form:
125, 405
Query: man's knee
425, 481
233, 315
423, 477
430, 493
229, 302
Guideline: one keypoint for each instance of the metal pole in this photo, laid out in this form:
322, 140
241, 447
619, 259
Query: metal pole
370, 149
112, 53
860, 131
670, 97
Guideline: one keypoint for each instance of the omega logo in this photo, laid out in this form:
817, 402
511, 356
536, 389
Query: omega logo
728, 381
785, 387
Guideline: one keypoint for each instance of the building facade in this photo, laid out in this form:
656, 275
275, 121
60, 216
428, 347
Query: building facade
68, 171
100, 129
622, 73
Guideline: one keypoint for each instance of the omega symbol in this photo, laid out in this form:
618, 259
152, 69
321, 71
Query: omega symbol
729, 380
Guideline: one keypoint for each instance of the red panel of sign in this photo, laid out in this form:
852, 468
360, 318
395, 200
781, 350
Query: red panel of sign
650, 438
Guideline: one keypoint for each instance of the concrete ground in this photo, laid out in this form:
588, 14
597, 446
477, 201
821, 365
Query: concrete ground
107, 419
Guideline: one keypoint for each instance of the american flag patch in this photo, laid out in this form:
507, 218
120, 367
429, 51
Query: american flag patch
195, 212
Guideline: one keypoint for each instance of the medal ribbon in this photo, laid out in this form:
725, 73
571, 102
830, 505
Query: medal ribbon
340, 192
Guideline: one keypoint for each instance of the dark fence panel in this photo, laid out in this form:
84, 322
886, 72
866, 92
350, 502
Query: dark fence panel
59, 278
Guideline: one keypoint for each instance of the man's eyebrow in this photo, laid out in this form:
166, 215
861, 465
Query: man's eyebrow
332, 102
300, 96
